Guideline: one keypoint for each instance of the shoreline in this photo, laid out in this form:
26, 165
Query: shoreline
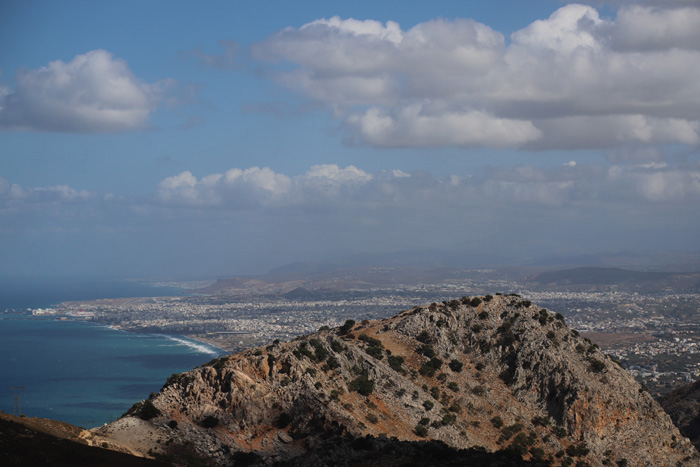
174, 337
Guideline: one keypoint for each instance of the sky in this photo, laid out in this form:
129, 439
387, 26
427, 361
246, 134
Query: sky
182, 139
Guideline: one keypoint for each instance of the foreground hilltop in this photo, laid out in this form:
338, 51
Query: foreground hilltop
494, 373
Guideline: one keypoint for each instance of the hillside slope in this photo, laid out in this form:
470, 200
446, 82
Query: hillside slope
683, 405
492, 372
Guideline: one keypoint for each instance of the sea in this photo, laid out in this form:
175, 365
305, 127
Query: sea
76, 371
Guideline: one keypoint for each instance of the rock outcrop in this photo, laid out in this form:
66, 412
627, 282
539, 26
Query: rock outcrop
495, 373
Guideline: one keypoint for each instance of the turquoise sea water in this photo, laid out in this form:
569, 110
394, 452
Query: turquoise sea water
83, 373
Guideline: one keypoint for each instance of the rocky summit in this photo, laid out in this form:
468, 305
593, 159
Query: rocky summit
495, 379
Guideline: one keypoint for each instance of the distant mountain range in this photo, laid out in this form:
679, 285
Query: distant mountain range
622, 279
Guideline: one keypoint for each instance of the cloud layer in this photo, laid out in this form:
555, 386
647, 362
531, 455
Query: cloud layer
92, 93
573, 80
350, 187
248, 220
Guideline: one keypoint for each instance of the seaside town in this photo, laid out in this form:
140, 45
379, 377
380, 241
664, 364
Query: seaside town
656, 336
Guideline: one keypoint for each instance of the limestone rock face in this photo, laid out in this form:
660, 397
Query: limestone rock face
491, 372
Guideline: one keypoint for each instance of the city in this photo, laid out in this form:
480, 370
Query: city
654, 335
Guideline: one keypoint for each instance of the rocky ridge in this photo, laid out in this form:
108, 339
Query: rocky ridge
497, 373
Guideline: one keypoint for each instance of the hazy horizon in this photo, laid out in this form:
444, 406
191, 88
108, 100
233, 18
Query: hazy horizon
180, 140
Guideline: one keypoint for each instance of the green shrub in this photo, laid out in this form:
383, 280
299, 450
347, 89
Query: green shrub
372, 418
480, 366
474, 302
456, 365
148, 410
210, 422
577, 450
424, 337
345, 328
331, 364
396, 363
375, 352
336, 346
421, 431
362, 384
370, 340
597, 366
427, 405
449, 419
497, 421
510, 430
453, 386
426, 350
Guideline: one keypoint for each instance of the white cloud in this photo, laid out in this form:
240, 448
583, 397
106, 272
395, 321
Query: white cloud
573, 80
15, 198
93, 93
333, 187
653, 28
657, 182
236, 187
415, 127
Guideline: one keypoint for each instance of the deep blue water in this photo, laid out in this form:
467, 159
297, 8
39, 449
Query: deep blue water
22, 293
82, 373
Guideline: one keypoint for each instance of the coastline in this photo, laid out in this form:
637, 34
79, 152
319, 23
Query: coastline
209, 346
216, 343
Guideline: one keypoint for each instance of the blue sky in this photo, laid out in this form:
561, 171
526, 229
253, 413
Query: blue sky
173, 138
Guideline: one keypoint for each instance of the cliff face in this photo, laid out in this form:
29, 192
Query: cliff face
492, 372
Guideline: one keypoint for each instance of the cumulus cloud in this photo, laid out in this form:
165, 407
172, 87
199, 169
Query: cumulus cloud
92, 93
331, 186
573, 80
657, 182
653, 28
16, 198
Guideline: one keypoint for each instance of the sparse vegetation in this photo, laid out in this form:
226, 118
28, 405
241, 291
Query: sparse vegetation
362, 385
421, 431
577, 450
424, 337
396, 363
210, 422
426, 350
597, 366
430, 367
346, 328
148, 411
